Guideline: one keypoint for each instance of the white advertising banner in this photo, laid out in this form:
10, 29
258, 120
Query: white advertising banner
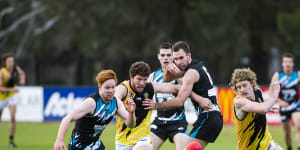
29, 105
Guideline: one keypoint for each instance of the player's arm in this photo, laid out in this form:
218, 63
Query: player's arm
189, 78
172, 73
150, 78
5, 89
87, 106
22, 75
165, 87
127, 116
275, 78
246, 105
121, 91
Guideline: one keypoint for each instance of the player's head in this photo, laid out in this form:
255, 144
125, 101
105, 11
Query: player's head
287, 62
139, 73
107, 80
243, 82
181, 54
193, 146
165, 54
8, 60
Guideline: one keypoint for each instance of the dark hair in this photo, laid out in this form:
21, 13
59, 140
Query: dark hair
5, 56
140, 68
165, 45
289, 55
181, 45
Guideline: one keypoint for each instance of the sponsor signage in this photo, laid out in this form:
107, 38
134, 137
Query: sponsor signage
29, 105
58, 102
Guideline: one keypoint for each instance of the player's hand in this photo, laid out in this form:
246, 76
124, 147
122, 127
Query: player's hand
205, 103
130, 105
274, 89
148, 104
14, 90
59, 145
274, 108
172, 68
283, 103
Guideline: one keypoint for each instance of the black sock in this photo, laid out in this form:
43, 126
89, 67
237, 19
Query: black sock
298, 148
11, 139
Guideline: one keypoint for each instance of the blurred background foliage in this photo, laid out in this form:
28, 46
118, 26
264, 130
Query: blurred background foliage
65, 43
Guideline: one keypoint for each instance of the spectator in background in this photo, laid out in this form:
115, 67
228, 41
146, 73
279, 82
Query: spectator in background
10, 75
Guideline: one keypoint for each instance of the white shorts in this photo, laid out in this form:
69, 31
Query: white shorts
143, 141
273, 145
10, 101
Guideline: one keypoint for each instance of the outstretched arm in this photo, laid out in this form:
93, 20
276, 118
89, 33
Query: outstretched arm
246, 105
22, 75
127, 116
87, 106
275, 78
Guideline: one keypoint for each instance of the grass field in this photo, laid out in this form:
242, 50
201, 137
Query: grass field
41, 136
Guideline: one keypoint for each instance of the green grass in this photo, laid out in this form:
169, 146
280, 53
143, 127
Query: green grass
41, 136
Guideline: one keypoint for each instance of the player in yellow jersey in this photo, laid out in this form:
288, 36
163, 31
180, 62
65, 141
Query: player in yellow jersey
250, 110
138, 89
10, 73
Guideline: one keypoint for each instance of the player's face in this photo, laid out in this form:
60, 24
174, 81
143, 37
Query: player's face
138, 82
181, 59
10, 62
245, 89
107, 89
165, 57
287, 64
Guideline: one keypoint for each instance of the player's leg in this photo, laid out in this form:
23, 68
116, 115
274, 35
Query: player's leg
178, 133
159, 134
207, 128
0, 114
296, 119
3, 104
12, 125
156, 141
181, 140
287, 133
143, 144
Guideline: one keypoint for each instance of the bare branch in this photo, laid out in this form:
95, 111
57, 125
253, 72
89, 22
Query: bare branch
24, 18
46, 26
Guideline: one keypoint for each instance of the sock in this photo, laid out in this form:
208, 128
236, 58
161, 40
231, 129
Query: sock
11, 139
298, 148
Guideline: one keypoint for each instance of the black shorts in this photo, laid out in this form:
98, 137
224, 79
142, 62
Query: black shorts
97, 145
208, 126
286, 112
168, 129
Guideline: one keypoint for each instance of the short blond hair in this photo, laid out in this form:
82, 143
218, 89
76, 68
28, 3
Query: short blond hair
104, 75
243, 74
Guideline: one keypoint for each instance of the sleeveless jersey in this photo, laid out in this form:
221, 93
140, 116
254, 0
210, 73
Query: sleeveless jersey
289, 87
89, 128
129, 136
252, 130
204, 87
8, 81
168, 114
